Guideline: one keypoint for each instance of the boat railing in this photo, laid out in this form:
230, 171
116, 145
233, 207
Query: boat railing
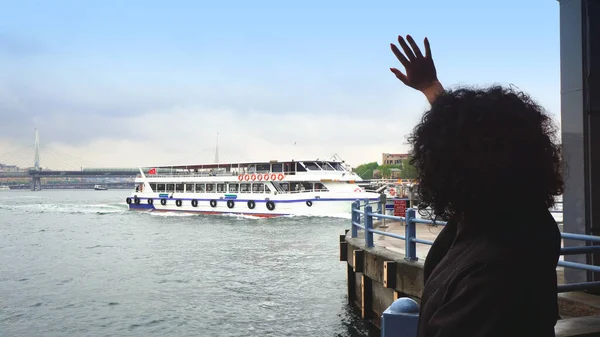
307, 191
262, 192
232, 171
223, 174
192, 174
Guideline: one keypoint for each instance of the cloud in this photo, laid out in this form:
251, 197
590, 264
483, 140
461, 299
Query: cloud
99, 125
129, 128
187, 135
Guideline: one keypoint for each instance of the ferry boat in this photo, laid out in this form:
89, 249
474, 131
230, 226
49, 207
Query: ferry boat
4, 188
262, 189
100, 188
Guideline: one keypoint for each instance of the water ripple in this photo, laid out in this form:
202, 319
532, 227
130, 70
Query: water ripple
78, 263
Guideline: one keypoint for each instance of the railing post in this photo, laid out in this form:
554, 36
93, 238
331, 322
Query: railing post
355, 218
368, 226
401, 319
410, 234
383, 200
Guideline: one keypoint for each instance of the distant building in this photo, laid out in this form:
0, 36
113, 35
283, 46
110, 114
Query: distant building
394, 174
393, 158
9, 168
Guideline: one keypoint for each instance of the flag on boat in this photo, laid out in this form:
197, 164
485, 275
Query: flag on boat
152, 171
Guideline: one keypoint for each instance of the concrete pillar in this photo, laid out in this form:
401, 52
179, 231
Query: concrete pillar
580, 119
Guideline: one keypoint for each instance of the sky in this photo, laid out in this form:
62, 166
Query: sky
143, 83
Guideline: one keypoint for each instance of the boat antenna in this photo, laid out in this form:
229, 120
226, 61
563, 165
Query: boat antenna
217, 150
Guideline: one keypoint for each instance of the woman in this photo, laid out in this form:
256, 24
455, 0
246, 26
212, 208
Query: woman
488, 164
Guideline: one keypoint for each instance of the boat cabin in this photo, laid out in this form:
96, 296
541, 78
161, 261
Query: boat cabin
285, 167
258, 177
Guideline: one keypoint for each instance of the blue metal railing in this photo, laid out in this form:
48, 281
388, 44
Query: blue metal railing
411, 239
401, 318
410, 235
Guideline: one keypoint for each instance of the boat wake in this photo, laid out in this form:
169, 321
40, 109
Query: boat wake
242, 216
100, 209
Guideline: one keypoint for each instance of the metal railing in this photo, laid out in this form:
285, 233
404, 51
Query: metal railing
411, 240
402, 317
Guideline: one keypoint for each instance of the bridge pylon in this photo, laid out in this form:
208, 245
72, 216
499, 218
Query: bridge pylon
36, 180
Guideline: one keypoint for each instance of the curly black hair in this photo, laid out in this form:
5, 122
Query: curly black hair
479, 149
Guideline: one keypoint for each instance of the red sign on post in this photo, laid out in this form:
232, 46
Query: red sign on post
400, 208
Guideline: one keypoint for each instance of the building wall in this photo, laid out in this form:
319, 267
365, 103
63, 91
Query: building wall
393, 158
8, 168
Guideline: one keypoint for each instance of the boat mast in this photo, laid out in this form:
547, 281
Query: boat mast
217, 150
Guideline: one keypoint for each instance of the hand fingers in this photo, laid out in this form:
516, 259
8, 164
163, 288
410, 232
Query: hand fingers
399, 55
427, 49
399, 75
414, 46
406, 48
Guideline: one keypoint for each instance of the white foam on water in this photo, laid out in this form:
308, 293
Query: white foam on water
67, 208
188, 214
169, 214
337, 215
19, 197
243, 216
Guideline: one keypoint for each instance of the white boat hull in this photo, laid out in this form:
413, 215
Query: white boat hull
303, 204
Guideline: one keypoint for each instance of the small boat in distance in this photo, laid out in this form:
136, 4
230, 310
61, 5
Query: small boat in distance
263, 188
100, 188
4, 188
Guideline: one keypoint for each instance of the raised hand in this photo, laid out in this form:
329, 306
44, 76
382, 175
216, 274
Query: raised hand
420, 70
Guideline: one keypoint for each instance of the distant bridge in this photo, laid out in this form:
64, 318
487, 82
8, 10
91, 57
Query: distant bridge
70, 174
75, 186
36, 172
86, 173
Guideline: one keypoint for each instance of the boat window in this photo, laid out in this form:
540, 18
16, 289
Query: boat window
245, 188
189, 188
300, 167
179, 188
267, 189
153, 187
170, 187
210, 188
307, 186
233, 187
277, 167
337, 166
325, 166
263, 167
320, 187
296, 187
199, 188
221, 188
277, 186
160, 188
285, 187
312, 166
258, 188
251, 168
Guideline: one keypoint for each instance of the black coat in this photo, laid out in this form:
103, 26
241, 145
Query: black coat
497, 281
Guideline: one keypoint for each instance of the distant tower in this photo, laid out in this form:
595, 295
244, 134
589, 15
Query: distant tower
36, 159
36, 181
217, 150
